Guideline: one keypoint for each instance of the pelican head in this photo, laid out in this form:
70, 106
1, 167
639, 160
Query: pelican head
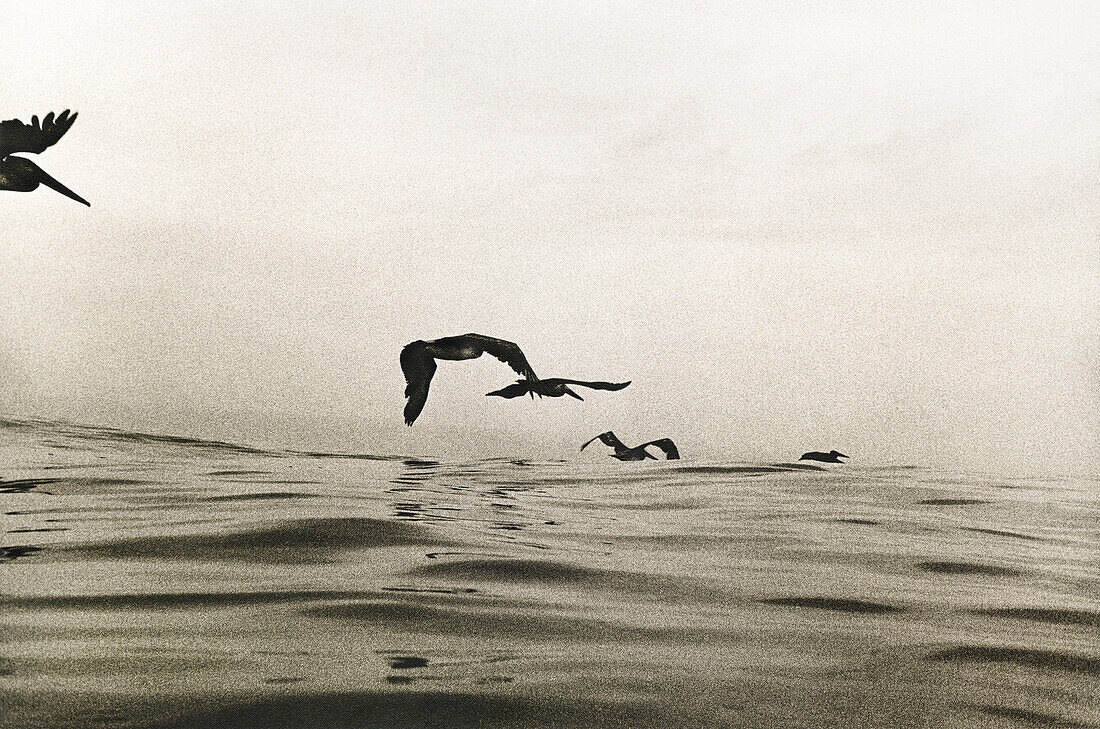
22, 175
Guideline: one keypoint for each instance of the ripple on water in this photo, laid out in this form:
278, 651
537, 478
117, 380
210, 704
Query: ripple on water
535, 623
577, 578
1027, 717
1002, 533
831, 603
967, 568
262, 496
1086, 618
23, 485
175, 600
10, 554
301, 540
953, 502
1030, 657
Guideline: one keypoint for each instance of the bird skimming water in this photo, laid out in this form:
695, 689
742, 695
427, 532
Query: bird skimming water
830, 457
637, 453
20, 174
418, 363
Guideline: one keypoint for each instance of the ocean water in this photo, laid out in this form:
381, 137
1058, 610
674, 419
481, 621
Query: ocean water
160, 582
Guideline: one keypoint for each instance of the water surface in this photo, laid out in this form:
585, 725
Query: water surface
150, 581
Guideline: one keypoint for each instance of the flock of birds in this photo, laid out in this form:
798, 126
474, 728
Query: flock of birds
418, 358
418, 364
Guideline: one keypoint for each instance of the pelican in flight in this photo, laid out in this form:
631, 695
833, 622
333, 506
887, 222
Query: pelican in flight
552, 387
830, 457
20, 174
637, 453
418, 363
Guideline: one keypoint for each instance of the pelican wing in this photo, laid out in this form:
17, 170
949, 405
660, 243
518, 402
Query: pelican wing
666, 445
608, 438
597, 385
419, 367
15, 136
516, 389
507, 352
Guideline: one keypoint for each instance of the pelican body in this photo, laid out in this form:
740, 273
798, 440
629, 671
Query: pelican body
552, 387
19, 174
830, 457
637, 453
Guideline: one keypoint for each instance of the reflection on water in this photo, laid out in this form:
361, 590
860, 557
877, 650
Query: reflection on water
151, 581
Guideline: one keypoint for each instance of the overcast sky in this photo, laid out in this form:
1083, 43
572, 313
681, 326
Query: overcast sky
853, 225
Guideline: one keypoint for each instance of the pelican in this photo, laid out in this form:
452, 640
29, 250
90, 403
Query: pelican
418, 363
20, 174
637, 453
552, 387
830, 457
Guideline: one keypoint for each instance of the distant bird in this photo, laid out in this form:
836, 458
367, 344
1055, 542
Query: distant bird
637, 453
20, 174
418, 363
552, 387
830, 457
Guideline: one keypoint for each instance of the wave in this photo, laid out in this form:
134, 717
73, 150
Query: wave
176, 600
538, 624
1029, 657
103, 433
299, 541
845, 605
1028, 717
1086, 618
403, 709
967, 568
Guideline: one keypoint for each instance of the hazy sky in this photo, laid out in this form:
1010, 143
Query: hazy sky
853, 225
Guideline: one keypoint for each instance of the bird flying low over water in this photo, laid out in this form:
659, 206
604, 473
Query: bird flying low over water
830, 457
20, 174
418, 363
552, 387
637, 453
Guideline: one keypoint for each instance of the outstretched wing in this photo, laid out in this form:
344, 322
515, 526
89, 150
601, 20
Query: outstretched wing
15, 136
507, 352
666, 445
608, 438
516, 389
419, 367
598, 385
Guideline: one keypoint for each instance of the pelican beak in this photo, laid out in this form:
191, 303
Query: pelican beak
570, 392
54, 184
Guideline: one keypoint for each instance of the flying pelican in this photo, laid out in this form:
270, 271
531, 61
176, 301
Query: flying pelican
20, 174
418, 363
830, 457
637, 453
552, 387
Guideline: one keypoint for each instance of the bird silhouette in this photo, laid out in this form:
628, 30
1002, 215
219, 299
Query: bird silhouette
830, 457
552, 387
19, 174
637, 453
418, 363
